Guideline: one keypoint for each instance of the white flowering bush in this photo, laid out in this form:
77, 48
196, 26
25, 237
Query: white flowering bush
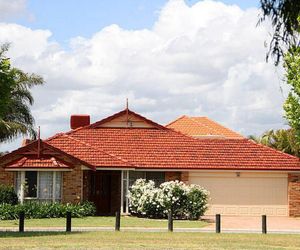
186, 201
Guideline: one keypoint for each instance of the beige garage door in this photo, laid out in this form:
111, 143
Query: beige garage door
248, 194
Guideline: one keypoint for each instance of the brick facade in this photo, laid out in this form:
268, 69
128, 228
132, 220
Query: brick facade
72, 186
181, 176
172, 176
294, 194
184, 177
6, 178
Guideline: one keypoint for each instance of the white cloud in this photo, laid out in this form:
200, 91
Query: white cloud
207, 59
10, 9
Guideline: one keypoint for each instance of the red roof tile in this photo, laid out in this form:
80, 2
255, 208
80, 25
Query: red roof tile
43, 162
156, 148
201, 126
162, 148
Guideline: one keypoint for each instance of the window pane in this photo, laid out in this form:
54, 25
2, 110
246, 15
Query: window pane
31, 184
45, 185
58, 186
157, 177
134, 175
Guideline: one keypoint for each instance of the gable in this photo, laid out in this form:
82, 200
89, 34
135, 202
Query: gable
126, 119
40, 154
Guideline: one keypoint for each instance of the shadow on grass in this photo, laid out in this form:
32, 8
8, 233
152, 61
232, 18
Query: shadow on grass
33, 234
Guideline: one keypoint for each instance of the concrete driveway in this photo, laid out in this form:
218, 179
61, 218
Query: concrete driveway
243, 223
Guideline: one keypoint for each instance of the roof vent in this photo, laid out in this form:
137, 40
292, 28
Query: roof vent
78, 121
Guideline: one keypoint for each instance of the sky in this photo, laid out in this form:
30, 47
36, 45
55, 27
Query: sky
169, 57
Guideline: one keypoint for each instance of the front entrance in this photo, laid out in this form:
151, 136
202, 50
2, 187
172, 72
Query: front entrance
105, 191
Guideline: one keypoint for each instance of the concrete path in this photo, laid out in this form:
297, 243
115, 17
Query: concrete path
254, 223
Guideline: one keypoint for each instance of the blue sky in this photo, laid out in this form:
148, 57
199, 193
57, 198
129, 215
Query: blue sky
71, 18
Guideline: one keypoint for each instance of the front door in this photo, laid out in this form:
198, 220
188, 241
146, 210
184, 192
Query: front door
104, 191
100, 191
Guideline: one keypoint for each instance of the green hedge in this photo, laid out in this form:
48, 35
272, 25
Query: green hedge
8, 195
36, 210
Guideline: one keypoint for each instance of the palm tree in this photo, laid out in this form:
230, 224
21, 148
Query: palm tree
281, 139
15, 99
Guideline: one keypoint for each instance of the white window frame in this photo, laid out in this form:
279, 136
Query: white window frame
23, 182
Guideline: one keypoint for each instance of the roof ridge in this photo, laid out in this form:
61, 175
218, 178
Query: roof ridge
179, 118
219, 124
111, 155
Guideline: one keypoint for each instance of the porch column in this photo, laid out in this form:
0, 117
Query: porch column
124, 191
22, 186
127, 188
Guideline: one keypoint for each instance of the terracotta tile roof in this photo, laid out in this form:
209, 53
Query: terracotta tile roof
156, 148
83, 150
202, 126
162, 148
43, 162
39, 154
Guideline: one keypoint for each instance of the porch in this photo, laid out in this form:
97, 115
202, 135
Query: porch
108, 189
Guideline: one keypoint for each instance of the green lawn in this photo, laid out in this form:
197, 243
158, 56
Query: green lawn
134, 240
102, 221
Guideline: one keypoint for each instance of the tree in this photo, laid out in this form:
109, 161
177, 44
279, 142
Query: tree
15, 99
284, 16
281, 139
292, 103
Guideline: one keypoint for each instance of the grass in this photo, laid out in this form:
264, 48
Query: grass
134, 240
103, 221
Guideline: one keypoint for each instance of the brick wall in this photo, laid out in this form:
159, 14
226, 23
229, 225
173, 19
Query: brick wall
172, 176
6, 178
181, 176
184, 177
294, 194
72, 186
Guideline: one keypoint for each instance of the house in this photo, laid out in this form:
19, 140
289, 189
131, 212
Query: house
99, 162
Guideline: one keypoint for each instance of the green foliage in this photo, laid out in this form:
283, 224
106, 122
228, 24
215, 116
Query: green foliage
282, 139
292, 103
15, 99
36, 210
284, 16
8, 195
186, 201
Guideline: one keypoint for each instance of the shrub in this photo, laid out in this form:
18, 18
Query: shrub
8, 195
186, 201
36, 210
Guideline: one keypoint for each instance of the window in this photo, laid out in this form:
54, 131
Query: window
30, 190
157, 177
40, 185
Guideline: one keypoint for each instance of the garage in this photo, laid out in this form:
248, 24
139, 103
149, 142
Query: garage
244, 193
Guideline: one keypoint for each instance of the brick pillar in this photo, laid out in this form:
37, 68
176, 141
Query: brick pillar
73, 186
6, 178
294, 194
